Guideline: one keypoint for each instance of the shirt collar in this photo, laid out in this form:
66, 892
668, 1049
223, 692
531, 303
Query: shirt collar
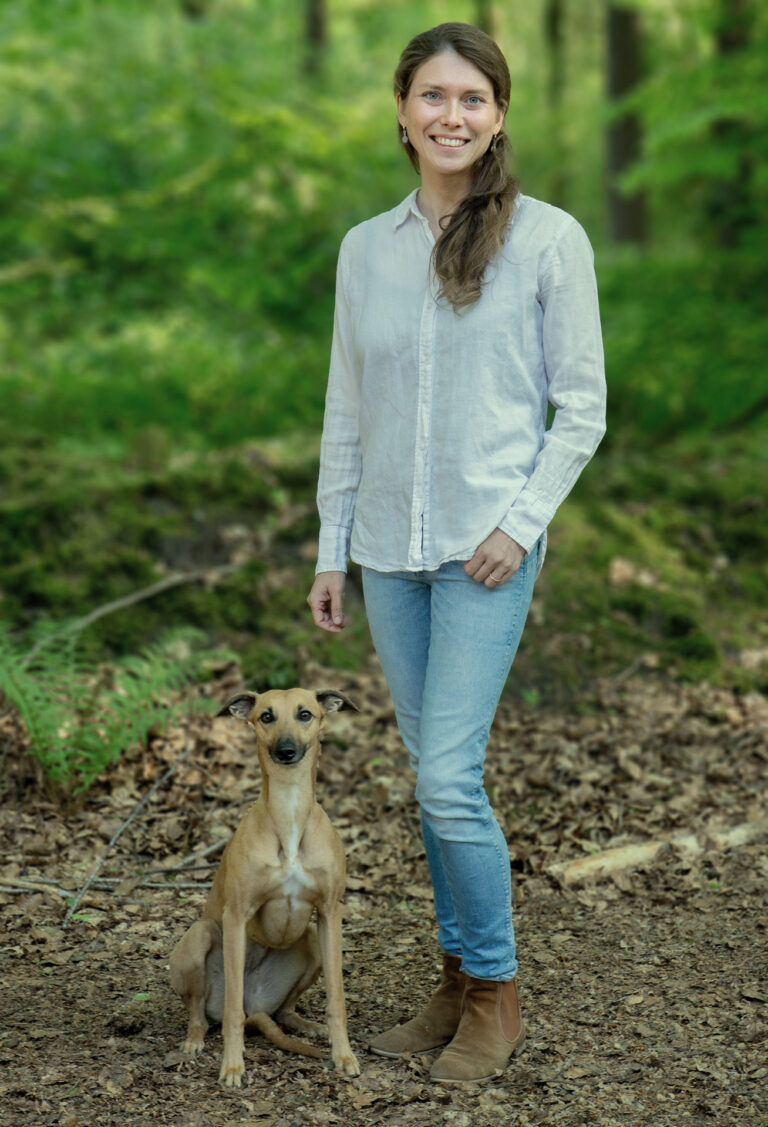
409, 206
406, 208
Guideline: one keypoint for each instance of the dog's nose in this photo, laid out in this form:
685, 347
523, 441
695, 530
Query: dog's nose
287, 751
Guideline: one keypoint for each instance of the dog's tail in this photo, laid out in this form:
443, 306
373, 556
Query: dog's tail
272, 1031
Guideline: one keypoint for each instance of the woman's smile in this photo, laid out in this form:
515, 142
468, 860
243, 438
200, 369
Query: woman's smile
450, 115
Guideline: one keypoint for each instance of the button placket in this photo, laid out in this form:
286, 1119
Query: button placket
423, 426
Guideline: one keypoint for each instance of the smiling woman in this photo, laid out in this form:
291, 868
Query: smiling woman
459, 315
449, 118
452, 93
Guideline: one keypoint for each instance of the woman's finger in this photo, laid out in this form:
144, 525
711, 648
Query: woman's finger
486, 568
498, 578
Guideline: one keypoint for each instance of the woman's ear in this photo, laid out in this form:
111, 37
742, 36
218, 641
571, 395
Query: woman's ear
399, 104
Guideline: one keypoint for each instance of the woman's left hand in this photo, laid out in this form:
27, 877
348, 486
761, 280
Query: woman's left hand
495, 560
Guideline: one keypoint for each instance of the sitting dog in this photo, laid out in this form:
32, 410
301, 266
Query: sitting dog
255, 950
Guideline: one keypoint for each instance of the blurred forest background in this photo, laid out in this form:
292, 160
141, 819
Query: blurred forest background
177, 179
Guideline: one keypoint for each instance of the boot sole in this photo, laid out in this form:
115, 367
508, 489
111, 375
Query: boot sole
407, 1052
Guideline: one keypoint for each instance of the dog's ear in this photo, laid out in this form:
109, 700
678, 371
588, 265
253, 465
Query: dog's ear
241, 706
334, 701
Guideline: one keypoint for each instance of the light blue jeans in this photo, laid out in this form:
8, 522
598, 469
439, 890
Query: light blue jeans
446, 644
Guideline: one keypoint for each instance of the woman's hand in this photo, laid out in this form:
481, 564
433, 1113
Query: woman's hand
495, 560
326, 599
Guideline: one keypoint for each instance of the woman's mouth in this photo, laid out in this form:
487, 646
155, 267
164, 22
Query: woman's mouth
451, 142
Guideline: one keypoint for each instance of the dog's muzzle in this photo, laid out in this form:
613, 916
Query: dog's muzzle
287, 752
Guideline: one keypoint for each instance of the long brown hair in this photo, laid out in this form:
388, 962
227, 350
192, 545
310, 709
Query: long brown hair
475, 231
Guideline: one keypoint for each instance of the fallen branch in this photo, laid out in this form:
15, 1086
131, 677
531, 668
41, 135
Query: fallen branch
19, 884
196, 856
624, 857
119, 832
80, 624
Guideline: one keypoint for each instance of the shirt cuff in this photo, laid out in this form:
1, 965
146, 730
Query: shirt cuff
333, 548
524, 526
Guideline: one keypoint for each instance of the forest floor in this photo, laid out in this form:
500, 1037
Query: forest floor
646, 994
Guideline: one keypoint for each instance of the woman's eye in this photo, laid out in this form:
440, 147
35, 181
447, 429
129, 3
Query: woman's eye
475, 101
432, 96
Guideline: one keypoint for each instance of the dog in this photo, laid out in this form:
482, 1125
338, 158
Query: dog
256, 950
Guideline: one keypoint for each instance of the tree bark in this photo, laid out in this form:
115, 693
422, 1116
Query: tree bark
484, 18
623, 857
194, 9
731, 208
627, 214
315, 35
554, 41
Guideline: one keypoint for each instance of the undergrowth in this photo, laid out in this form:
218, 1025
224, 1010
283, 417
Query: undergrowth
80, 717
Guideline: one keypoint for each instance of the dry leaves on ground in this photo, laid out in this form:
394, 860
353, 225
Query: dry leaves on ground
645, 994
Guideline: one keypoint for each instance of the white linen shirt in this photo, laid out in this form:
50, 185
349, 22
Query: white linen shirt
435, 421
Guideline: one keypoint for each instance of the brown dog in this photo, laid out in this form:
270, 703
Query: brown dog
255, 951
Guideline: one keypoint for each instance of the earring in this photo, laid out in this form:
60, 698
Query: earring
404, 136
494, 139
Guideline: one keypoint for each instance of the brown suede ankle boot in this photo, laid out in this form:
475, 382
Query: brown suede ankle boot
490, 1031
436, 1023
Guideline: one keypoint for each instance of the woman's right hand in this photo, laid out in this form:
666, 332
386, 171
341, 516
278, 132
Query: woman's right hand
326, 600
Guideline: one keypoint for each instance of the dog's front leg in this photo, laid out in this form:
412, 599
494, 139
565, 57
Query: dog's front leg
233, 1023
329, 934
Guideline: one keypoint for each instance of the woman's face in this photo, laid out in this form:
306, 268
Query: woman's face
450, 113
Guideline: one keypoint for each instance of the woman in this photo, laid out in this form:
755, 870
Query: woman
459, 316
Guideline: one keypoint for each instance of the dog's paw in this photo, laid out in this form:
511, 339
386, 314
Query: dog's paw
231, 1073
192, 1045
231, 1077
347, 1064
302, 1024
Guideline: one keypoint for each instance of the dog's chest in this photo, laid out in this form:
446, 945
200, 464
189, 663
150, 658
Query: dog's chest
293, 880
291, 892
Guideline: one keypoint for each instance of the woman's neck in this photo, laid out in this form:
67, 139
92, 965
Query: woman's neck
440, 197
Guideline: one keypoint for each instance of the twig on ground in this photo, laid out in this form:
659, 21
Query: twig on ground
19, 884
196, 856
119, 832
185, 869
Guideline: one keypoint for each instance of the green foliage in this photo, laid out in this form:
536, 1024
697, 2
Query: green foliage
79, 718
705, 120
685, 343
169, 226
173, 197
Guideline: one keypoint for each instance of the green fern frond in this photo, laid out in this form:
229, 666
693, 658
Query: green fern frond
80, 719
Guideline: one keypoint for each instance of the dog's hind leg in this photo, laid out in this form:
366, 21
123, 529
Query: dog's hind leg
189, 980
286, 1014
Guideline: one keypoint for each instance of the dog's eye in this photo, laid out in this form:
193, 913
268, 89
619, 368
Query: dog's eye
266, 717
304, 714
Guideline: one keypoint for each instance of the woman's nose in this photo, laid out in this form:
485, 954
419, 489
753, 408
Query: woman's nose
452, 112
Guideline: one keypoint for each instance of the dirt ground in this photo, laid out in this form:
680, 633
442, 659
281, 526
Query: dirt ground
646, 994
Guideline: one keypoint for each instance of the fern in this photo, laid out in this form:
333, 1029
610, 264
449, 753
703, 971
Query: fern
80, 718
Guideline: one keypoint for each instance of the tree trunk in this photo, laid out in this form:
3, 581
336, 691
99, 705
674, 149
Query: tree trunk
627, 215
553, 39
484, 18
731, 208
316, 35
194, 9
